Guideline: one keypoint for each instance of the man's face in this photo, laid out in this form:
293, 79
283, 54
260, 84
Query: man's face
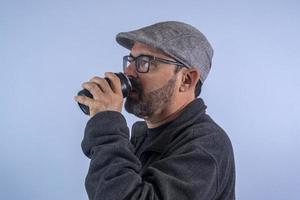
152, 91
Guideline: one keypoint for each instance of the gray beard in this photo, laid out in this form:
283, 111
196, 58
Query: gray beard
146, 104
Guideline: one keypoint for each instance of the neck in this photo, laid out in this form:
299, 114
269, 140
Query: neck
166, 115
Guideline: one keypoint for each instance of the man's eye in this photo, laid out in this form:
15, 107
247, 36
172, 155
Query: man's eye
145, 64
145, 59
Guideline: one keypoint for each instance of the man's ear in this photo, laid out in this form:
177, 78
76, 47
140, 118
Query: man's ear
189, 79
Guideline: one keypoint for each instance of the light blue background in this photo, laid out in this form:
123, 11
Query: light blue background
48, 48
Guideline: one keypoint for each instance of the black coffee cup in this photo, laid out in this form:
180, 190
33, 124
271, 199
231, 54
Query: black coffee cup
125, 86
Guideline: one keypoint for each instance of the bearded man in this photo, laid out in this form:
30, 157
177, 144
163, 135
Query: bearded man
177, 152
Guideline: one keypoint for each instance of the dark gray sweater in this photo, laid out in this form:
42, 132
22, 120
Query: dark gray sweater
191, 159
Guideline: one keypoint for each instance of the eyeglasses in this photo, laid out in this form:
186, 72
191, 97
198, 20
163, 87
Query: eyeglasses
143, 62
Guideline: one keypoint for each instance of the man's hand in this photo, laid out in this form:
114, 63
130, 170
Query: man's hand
104, 97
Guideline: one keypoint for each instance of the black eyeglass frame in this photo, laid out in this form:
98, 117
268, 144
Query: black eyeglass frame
138, 60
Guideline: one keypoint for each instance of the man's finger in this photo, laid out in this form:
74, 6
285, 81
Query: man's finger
84, 100
94, 89
116, 83
102, 83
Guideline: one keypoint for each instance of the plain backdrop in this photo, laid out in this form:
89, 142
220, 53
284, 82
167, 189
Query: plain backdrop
48, 48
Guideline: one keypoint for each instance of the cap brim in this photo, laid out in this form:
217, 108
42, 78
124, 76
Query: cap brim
126, 39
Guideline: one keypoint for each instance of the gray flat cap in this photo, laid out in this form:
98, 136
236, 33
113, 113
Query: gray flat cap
181, 41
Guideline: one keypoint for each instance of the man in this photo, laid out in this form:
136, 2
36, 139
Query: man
178, 152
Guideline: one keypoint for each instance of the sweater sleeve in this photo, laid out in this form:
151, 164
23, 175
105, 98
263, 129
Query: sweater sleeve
115, 171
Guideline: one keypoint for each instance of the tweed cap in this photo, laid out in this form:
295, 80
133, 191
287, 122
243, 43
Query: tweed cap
179, 40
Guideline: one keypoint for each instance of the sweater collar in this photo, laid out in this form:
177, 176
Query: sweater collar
189, 115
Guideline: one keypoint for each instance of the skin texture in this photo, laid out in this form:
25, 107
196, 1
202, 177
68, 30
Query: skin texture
160, 94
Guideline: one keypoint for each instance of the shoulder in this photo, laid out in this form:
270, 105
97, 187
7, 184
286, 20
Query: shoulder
206, 137
211, 143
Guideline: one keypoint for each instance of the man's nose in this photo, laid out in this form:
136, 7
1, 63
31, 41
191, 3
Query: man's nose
130, 70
